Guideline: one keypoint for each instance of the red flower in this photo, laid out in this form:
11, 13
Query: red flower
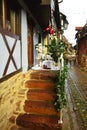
50, 30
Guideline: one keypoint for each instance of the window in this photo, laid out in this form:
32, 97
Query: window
13, 17
10, 17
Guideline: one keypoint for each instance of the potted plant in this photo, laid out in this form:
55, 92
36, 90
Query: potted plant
55, 49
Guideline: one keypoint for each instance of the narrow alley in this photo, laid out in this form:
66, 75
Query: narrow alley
37, 91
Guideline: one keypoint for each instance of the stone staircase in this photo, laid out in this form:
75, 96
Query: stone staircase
40, 113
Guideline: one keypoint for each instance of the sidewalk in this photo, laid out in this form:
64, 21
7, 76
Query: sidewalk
75, 115
79, 76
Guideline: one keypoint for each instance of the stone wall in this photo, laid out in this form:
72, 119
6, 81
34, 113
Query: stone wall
12, 97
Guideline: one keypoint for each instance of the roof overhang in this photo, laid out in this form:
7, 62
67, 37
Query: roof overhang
39, 11
78, 28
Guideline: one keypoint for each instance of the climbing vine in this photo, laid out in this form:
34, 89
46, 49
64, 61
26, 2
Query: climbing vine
57, 48
61, 100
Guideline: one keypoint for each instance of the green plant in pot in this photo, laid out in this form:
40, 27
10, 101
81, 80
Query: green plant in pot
55, 49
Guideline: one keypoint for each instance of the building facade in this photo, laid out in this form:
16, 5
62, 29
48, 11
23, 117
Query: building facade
81, 39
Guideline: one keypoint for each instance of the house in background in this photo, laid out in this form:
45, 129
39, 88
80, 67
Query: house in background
81, 39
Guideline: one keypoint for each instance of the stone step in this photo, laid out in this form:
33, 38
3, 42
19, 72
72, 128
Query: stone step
40, 112
40, 84
34, 94
37, 126
38, 122
40, 107
43, 75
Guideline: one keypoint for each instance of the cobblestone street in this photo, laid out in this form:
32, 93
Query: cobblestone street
77, 98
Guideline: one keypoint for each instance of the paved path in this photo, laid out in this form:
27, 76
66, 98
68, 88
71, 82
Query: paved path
80, 79
77, 96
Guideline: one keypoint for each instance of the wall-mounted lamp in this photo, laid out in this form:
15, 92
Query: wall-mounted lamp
64, 22
60, 1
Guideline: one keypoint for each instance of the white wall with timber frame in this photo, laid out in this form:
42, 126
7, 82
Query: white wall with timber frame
10, 53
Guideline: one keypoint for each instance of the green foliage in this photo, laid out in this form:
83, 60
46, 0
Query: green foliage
61, 99
55, 49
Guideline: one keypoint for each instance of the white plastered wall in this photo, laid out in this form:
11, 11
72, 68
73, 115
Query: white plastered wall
24, 40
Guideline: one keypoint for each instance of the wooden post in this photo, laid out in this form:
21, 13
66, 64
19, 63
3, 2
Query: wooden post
30, 45
4, 13
60, 121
